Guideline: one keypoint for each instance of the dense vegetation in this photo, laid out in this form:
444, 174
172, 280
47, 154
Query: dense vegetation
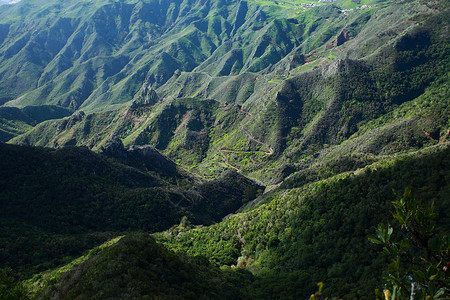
285, 242
149, 270
298, 237
254, 145
15, 121
57, 203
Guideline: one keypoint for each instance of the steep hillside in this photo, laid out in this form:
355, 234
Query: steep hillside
51, 195
270, 126
15, 121
97, 55
293, 239
91, 55
263, 140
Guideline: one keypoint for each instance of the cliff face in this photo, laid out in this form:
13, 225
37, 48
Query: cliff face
146, 96
342, 37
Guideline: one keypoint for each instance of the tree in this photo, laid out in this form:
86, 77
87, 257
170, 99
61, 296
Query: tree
417, 249
9, 288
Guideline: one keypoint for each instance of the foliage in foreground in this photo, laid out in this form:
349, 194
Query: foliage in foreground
418, 251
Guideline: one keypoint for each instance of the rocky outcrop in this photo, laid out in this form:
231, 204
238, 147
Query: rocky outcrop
342, 37
147, 96
75, 118
145, 158
149, 158
298, 59
114, 148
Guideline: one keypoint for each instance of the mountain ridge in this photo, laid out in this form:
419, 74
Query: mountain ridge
258, 143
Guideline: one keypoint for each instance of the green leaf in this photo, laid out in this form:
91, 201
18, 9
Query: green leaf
439, 293
390, 230
394, 293
375, 240
404, 244
420, 275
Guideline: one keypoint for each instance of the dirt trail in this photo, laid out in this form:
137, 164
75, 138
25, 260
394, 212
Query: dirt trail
251, 137
226, 159
185, 118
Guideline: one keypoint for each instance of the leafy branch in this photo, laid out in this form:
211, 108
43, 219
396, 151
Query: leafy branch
417, 249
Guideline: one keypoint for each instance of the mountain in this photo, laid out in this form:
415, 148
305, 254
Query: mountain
89, 55
289, 241
15, 121
50, 196
364, 107
254, 145
95, 56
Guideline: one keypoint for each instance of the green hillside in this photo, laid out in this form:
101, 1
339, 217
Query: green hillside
294, 238
15, 121
88, 55
289, 241
224, 149
55, 203
97, 55
349, 109
138, 259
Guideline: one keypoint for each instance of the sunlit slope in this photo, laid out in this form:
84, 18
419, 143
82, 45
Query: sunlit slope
340, 115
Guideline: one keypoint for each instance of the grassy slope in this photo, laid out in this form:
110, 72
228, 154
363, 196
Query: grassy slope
333, 120
75, 62
70, 60
395, 97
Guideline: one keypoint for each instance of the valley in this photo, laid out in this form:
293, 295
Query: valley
223, 149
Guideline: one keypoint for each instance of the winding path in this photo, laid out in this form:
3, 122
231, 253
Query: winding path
251, 137
226, 159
